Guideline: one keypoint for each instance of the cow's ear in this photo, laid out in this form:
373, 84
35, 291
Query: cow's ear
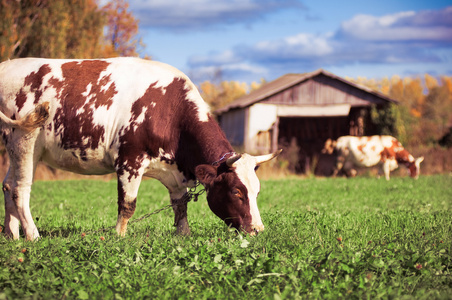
206, 174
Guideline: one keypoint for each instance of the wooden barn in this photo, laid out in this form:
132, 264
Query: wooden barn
300, 111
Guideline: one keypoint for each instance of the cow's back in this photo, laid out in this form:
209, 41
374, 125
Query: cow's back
363, 151
99, 106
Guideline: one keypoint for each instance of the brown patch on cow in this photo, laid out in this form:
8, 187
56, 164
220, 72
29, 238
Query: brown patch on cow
170, 123
403, 156
361, 148
373, 148
125, 208
387, 153
21, 98
74, 121
35, 81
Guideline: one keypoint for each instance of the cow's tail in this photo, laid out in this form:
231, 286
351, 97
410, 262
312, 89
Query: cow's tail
31, 121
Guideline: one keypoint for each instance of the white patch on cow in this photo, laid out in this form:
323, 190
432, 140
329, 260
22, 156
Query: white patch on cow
392, 164
147, 73
88, 90
168, 174
244, 169
140, 118
195, 97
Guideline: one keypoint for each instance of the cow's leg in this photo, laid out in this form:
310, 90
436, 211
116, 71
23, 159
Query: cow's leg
23, 164
11, 215
349, 169
128, 185
386, 168
179, 202
340, 159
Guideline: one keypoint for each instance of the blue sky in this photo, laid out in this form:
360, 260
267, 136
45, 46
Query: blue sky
246, 40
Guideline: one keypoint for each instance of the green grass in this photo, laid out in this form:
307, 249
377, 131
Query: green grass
325, 238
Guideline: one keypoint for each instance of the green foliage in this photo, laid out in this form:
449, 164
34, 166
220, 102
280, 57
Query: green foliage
324, 238
391, 120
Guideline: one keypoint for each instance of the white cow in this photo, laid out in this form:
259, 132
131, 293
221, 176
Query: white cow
369, 151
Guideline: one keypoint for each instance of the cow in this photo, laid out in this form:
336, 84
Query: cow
369, 151
128, 116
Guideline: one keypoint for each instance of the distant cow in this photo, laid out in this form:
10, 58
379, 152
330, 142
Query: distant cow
369, 151
126, 115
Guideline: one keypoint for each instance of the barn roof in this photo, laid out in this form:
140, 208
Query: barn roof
286, 81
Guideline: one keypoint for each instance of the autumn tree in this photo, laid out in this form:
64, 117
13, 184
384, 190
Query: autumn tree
66, 29
45, 28
437, 113
122, 29
222, 94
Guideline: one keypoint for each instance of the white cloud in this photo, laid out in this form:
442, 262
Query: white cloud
402, 27
396, 39
202, 14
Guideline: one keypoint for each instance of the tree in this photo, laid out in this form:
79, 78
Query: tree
17, 20
223, 93
45, 28
66, 29
122, 29
437, 114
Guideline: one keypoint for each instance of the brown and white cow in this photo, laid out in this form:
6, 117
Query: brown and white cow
369, 151
126, 115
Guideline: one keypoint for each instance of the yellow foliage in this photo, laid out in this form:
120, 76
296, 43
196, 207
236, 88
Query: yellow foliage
414, 112
430, 81
447, 83
220, 95
66, 29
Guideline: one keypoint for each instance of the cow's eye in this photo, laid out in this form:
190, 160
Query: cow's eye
237, 193
255, 168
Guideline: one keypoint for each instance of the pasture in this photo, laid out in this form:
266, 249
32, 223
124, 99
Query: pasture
324, 238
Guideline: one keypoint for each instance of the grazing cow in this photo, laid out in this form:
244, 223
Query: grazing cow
369, 151
126, 115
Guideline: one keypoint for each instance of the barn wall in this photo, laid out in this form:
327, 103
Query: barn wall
261, 119
323, 90
233, 125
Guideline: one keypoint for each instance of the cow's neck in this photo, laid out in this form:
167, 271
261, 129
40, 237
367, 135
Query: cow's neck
404, 157
203, 143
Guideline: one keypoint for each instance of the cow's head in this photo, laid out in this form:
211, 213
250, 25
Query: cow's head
415, 167
232, 188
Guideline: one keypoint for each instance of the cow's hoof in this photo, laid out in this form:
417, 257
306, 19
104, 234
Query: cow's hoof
183, 230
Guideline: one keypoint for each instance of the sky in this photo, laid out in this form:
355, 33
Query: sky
250, 40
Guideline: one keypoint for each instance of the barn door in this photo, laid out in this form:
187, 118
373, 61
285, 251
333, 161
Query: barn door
304, 138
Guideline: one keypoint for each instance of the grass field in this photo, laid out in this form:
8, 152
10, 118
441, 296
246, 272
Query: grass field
324, 238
